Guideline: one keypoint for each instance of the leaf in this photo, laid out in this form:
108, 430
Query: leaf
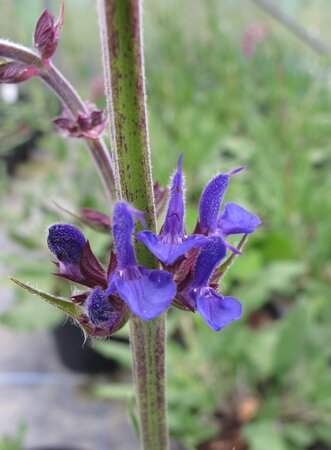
59, 302
264, 435
298, 433
293, 336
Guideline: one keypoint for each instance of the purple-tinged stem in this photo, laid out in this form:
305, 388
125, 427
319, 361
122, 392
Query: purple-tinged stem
69, 97
121, 39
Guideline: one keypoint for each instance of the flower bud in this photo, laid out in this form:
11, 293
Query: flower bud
47, 33
13, 72
66, 242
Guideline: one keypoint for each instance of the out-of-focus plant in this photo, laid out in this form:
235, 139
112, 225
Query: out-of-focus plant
173, 267
14, 442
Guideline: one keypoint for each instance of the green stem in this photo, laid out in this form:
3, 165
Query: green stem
148, 343
121, 38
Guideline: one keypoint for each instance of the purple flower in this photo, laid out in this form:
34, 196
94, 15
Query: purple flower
147, 292
47, 33
14, 72
172, 242
66, 242
233, 220
218, 311
77, 262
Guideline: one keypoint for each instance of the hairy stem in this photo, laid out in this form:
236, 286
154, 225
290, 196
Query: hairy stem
121, 38
69, 97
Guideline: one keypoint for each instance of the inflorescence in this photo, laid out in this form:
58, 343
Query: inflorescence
190, 263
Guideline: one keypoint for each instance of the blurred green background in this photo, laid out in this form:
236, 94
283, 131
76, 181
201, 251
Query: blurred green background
264, 382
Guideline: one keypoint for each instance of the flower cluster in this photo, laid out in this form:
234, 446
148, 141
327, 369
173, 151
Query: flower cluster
89, 124
190, 263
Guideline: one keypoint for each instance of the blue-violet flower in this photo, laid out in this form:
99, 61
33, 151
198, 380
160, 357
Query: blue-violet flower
147, 292
234, 219
101, 311
66, 242
172, 241
218, 311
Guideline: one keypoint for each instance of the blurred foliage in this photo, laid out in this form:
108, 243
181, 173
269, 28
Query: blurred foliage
14, 442
269, 372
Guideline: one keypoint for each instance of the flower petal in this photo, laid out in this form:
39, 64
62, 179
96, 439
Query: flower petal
211, 254
210, 202
173, 223
168, 252
123, 225
236, 220
218, 311
149, 294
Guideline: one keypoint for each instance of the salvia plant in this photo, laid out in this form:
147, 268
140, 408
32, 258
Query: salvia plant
147, 272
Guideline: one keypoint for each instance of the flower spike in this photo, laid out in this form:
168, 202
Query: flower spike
172, 242
147, 292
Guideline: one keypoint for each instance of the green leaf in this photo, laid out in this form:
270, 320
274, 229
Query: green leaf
59, 302
299, 434
292, 338
264, 435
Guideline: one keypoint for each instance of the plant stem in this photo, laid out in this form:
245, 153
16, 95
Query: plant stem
307, 36
148, 343
69, 97
121, 38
